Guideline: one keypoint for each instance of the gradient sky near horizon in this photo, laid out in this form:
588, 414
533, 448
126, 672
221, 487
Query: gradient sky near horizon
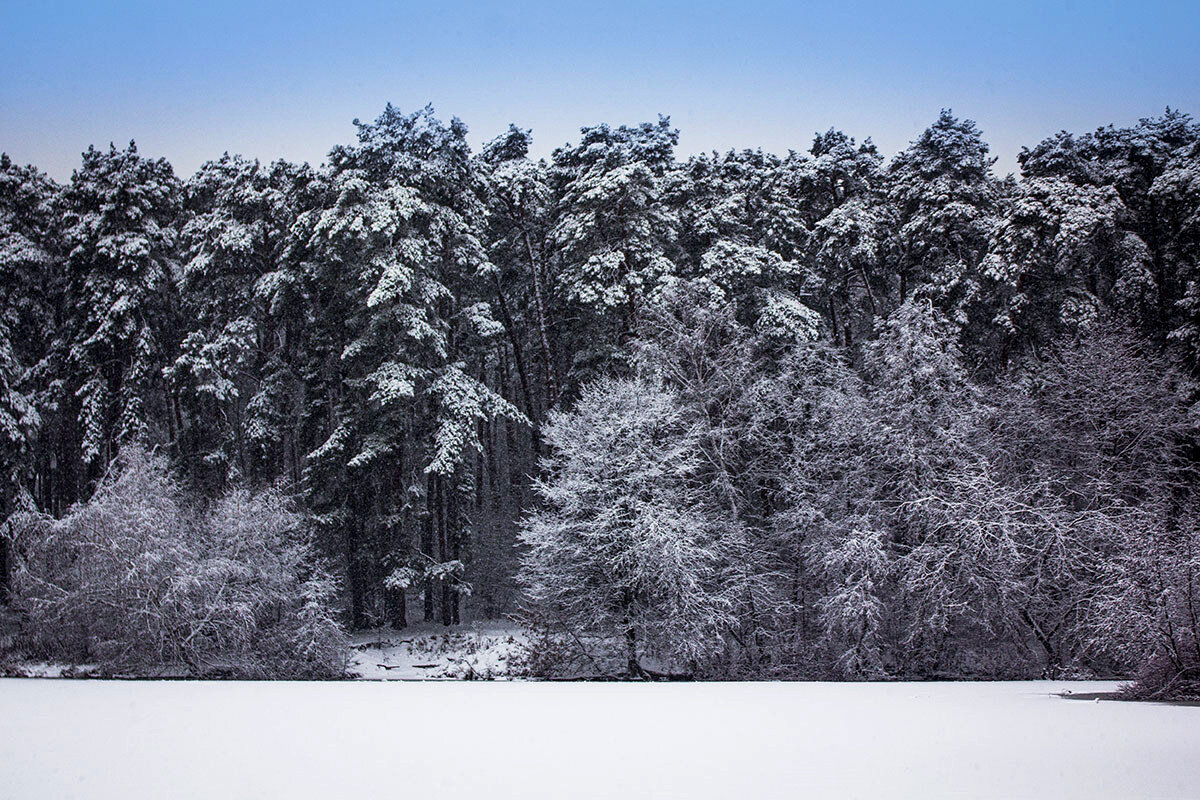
286, 78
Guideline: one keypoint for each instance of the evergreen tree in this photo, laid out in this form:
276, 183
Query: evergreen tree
612, 232
851, 237
1051, 262
232, 372
119, 215
1154, 274
519, 197
28, 261
945, 199
390, 258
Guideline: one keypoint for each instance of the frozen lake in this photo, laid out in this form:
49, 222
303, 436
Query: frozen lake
128, 740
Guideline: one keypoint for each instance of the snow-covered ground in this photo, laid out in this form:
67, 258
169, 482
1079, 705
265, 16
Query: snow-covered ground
358, 739
483, 650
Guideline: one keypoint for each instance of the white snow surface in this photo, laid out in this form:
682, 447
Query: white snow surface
117, 739
479, 650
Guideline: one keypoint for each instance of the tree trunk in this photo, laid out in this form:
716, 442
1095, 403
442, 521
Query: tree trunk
518, 352
443, 549
353, 574
427, 544
397, 606
4, 567
833, 320
544, 339
631, 654
400, 544
454, 534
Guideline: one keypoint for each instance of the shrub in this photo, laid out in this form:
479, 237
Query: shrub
136, 578
1149, 611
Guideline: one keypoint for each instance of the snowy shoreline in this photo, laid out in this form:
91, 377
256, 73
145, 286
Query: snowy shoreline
479, 650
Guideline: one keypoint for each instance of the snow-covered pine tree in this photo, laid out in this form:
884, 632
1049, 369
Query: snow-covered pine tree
232, 373
392, 254
1053, 256
518, 197
119, 214
741, 232
851, 228
946, 201
613, 234
28, 267
1150, 276
1176, 195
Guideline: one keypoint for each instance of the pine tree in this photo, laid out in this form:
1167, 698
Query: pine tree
28, 264
851, 228
742, 234
119, 213
1051, 264
1176, 192
945, 199
231, 367
1152, 274
519, 195
612, 231
391, 255
28, 267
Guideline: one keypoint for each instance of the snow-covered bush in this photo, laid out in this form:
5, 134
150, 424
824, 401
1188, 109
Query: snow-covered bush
851, 613
1120, 433
622, 546
1150, 612
136, 578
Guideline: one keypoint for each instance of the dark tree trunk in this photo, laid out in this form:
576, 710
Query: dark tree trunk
631, 654
4, 566
454, 533
543, 338
397, 608
354, 574
443, 548
398, 598
427, 544
833, 320
514, 341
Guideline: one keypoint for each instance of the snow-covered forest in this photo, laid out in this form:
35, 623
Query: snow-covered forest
823, 414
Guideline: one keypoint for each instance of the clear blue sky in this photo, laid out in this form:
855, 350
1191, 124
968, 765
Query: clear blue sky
286, 78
